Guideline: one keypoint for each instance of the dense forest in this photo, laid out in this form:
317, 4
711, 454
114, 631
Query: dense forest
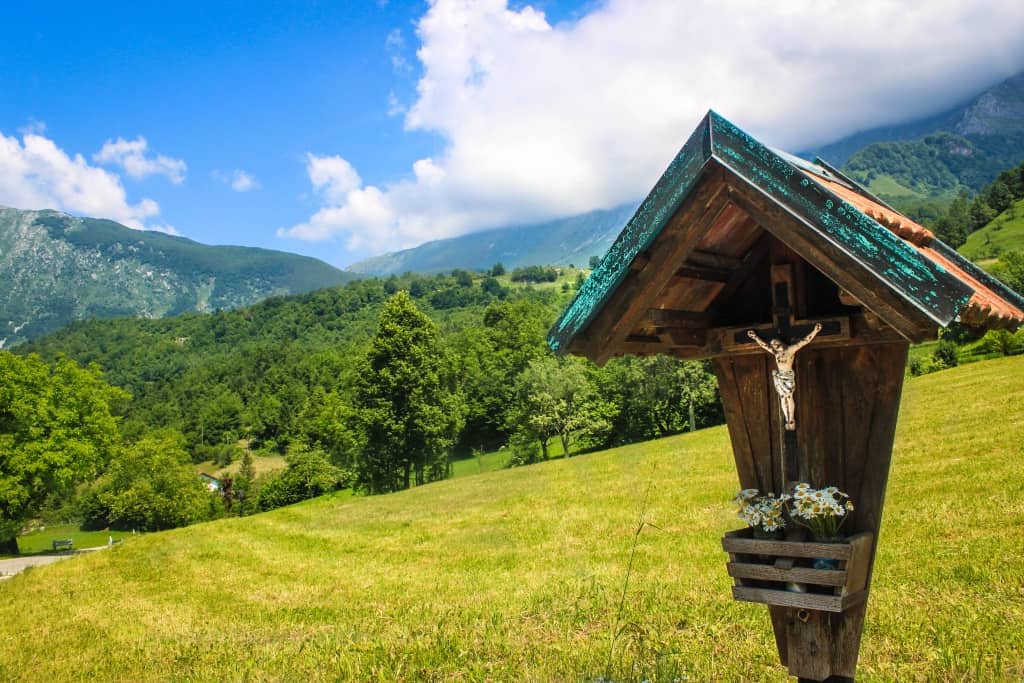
376, 385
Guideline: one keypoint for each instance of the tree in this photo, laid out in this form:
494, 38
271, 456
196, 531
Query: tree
1010, 269
308, 475
150, 485
244, 486
57, 428
491, 356
407, 401
557, 399
699, 389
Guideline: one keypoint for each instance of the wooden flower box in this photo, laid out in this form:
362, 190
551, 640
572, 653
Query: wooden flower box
763, 569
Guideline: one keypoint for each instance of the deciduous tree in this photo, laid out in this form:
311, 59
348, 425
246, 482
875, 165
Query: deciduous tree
57, 428
407, 401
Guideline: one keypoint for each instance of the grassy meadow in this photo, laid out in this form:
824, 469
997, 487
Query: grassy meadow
525, 574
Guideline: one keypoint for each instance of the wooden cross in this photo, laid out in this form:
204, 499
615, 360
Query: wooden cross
788, 332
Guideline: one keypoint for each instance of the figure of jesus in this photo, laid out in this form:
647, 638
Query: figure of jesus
783, 375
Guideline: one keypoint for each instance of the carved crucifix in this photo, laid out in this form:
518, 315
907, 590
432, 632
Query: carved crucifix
784, 377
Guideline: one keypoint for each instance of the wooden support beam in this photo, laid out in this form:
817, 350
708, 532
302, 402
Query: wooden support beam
667, 317
747, 265
694, 272
639, 289
710, 259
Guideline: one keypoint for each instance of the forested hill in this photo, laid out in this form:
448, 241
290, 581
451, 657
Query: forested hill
938, 158
566, 241
284, 371
55, 268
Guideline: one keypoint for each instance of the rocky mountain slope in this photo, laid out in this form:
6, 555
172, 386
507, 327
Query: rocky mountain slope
961, 150
55, 268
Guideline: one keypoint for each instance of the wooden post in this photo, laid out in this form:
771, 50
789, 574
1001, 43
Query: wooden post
847, 404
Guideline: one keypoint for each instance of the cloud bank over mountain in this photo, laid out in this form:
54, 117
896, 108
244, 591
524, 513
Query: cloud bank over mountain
542, 120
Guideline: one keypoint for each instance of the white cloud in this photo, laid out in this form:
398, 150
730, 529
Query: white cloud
238, 180
332, 177
395, 108
541, 120
131, 156
37, 174
394, 44
242, 181
33, 127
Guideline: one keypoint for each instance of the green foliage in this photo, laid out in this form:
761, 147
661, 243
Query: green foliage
966, 218
74, 268
497, 270
534, 274
1010, 270
658, 396
150, 485
1003, 342
407, 400
557, 399
940, 163
490, 357
309, 474
57, 428
945, 353
1003, 235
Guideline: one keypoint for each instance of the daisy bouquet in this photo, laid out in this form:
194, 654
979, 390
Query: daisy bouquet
823, 511
762, 512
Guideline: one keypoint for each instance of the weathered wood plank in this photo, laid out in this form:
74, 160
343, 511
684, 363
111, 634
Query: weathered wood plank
667, 317
767, 572
780, 598
754, 546
710, 259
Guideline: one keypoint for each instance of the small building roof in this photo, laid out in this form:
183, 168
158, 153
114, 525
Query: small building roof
702, 230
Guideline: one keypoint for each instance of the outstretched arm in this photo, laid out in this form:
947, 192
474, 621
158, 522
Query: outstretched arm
807, 340
759, 341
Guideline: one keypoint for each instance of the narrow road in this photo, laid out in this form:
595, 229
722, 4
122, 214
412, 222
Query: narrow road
9, 568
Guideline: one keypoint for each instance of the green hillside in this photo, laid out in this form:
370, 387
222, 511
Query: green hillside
520, 574
940, 166
936, 159
1005, 233
56, 268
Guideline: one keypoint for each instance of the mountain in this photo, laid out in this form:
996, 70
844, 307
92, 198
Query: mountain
55, 268
941, 156
564, 241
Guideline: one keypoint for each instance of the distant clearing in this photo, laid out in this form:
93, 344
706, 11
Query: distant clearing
516, 575
1004, 233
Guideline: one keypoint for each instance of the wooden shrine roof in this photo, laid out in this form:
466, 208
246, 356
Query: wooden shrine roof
705, 226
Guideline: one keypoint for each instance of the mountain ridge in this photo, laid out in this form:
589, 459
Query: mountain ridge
55, 268
563, 241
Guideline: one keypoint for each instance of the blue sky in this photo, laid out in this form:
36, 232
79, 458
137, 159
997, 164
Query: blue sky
344, 129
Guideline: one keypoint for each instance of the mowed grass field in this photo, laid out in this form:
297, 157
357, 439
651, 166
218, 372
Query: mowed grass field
518, 575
